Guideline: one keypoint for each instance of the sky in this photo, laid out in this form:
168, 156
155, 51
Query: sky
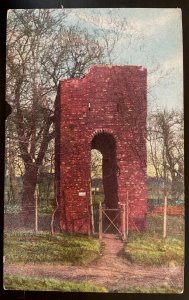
156, 44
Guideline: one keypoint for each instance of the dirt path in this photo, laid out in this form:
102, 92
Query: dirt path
111, 270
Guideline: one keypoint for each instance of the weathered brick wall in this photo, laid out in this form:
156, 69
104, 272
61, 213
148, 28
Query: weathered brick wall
109, 102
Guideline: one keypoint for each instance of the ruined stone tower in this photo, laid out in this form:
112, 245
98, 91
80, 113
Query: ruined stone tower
105, 110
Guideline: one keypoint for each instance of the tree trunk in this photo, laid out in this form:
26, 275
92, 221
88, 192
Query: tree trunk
28, 200
14, 186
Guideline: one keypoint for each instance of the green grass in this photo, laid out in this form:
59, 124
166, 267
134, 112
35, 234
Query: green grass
164, 289
12, 282
48, 284
148, 249
43, 247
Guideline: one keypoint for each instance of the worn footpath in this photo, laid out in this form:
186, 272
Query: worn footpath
111, 270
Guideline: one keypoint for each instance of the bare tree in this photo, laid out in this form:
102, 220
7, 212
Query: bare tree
166, 149
41, 49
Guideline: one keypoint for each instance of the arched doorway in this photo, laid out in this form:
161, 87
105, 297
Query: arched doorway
106, 145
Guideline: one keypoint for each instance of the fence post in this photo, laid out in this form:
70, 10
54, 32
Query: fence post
124, 236
92, 213
127, 212
36, 210
165, 218
100, 220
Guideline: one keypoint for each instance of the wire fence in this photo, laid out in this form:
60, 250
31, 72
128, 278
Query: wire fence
174, 222
156, 222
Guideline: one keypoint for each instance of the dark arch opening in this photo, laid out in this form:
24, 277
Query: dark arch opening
106, 144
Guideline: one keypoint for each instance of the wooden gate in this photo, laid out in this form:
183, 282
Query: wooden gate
112, 217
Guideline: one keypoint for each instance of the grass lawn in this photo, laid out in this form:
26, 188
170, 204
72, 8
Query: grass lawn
150, 248
43, 247
166, 289
48, 284
154, 250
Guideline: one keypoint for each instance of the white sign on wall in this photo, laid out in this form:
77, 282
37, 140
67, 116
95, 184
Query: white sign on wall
82, 194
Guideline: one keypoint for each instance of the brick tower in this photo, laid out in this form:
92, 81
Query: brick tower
105, 110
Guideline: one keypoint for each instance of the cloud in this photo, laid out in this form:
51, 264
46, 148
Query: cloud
97, 17
147, 21
168, 74
153, 24
175, 63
